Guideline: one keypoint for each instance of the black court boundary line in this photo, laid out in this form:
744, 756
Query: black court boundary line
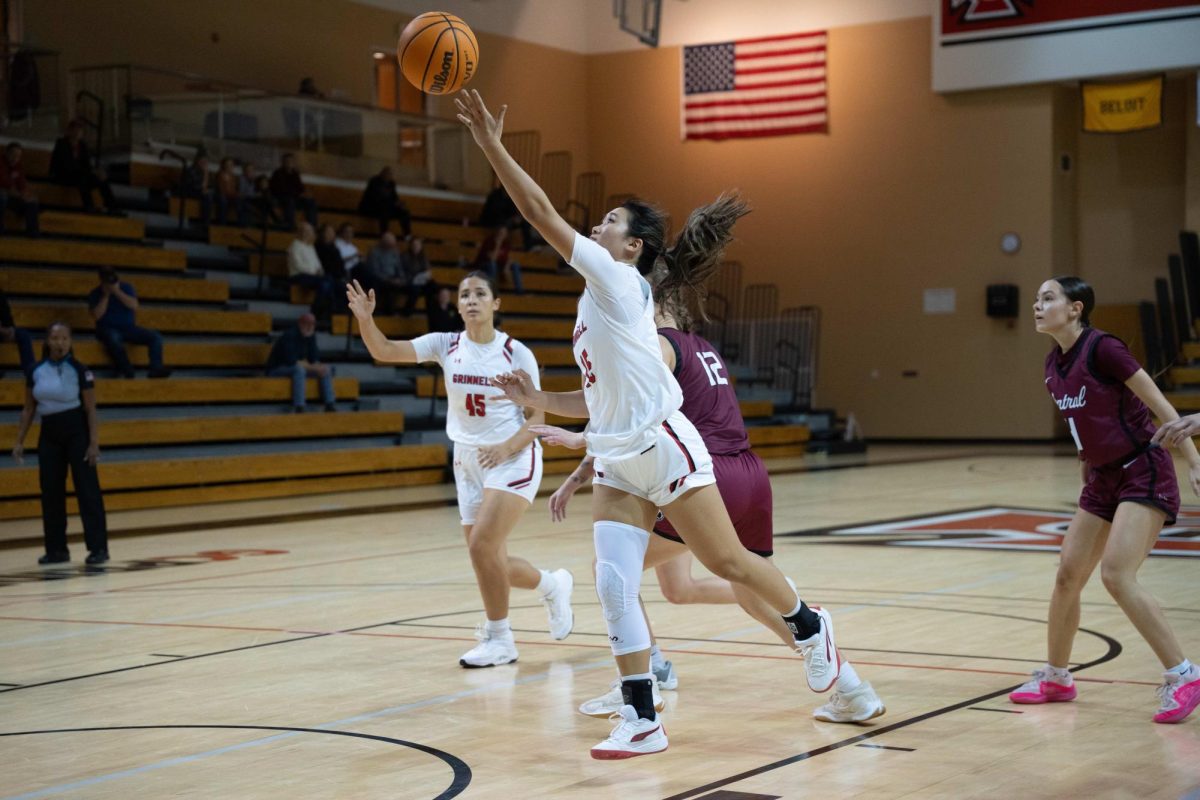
421, 505
1114, 650
997, 710
888, 747
462, 772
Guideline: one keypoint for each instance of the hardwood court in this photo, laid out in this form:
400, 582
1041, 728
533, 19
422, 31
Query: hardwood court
309, 649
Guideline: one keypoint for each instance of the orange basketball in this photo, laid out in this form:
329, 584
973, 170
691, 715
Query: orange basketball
438, 53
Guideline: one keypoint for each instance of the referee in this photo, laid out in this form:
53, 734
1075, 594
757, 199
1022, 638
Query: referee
60, 390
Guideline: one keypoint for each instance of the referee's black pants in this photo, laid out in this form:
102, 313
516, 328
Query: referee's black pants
62, 443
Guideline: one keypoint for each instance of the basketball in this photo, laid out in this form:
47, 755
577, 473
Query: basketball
438, 53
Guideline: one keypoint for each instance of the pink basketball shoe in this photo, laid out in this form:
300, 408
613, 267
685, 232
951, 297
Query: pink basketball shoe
1042, 690
1180, 694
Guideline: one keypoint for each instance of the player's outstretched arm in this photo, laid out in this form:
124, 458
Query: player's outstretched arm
390, 351
531, 201
518, 388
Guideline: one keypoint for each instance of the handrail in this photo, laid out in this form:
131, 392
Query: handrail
168, 153
783, 344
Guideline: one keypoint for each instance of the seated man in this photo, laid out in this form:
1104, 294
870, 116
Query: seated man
380, 201
384, 274
114, 306
305, 270
9, 332
71, 165
14, 190
295, 355
287, 189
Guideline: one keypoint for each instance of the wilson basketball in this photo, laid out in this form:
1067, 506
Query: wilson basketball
438, 53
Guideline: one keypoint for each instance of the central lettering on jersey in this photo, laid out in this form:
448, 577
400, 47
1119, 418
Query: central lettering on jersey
1067, 401
473, 380
580, 329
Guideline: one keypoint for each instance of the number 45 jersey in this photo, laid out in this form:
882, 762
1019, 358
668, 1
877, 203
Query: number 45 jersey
709, 399
478, 413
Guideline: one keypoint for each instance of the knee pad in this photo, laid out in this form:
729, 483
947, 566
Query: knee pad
620, 551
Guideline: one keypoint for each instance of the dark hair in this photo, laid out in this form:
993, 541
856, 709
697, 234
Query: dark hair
1077, 290
679, 272
344, 226
483, 276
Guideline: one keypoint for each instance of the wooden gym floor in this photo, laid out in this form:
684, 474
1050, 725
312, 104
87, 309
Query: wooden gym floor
309, 649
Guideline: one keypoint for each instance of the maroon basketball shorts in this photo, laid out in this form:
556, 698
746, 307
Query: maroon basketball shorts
1148, 478
746, 491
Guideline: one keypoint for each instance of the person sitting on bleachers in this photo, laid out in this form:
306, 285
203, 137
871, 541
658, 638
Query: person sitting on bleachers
327, 251
71, 165
295, 355
380, 201
418, 273
384, 273
9, 332
287, 189
14, 190
114, 306
304, 269
198, 185
348, 251
228, 194
443, 314
261, 202
494, 259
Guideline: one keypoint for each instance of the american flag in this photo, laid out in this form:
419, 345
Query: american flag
770, 86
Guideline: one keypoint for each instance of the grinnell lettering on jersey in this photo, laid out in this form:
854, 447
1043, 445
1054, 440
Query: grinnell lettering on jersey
474, 380
1066, 401
579, 331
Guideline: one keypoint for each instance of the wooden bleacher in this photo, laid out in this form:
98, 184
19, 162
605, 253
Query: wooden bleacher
66, 223
407, 327
90, 254
751, 410
190, 391
164, 320
187, 481
175, 354
153, 431
49, 282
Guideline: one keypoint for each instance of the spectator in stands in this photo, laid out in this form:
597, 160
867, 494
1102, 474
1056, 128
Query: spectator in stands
443, 312
287, 189
261, 202
499, 209
494, 259
304, 269
114, 306
198, 185
348, 251
71, 165
248, 180
327, 251
383, 273
60, 391
295, 355
380, 201
9, 332
14, 190
228, 194
414, 262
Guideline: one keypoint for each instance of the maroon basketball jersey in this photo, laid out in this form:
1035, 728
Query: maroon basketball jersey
709, 400
1107, 420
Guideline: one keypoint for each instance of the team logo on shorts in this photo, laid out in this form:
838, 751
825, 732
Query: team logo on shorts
994, 528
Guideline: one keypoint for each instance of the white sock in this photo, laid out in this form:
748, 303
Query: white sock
1059, 675
499, 628
1181, 669
656, 658
795, 610
641, 676
547, 584
848, 679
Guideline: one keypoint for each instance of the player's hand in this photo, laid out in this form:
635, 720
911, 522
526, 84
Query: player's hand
493, 456
362, 304
549, 434
559, 500
474, 114
516, 385
19, 453
1173, 434
92, 455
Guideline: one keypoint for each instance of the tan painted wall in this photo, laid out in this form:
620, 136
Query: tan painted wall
1192, 179
909, 191
1131, 203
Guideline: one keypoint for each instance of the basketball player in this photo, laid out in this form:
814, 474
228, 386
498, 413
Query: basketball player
711, 403
497, 460
648, 455
1129, 493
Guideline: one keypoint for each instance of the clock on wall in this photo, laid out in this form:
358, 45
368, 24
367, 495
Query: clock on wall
1010, 242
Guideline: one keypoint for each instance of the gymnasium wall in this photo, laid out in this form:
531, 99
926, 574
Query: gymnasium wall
272, 44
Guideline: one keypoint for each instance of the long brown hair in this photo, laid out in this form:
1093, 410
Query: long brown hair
679, 272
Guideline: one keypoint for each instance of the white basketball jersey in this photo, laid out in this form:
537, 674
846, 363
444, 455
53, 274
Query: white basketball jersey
628, 388
475, 416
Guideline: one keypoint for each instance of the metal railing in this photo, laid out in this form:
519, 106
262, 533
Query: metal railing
149, 107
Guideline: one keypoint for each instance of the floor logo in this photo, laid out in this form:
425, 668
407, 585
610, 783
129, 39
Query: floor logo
994, 528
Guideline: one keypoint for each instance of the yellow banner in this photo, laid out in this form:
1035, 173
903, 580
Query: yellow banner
1122, 107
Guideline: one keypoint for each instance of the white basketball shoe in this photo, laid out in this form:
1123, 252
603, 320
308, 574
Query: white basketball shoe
821, 660
558, 604
633, 736
492, 651
610, 703
859, 705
